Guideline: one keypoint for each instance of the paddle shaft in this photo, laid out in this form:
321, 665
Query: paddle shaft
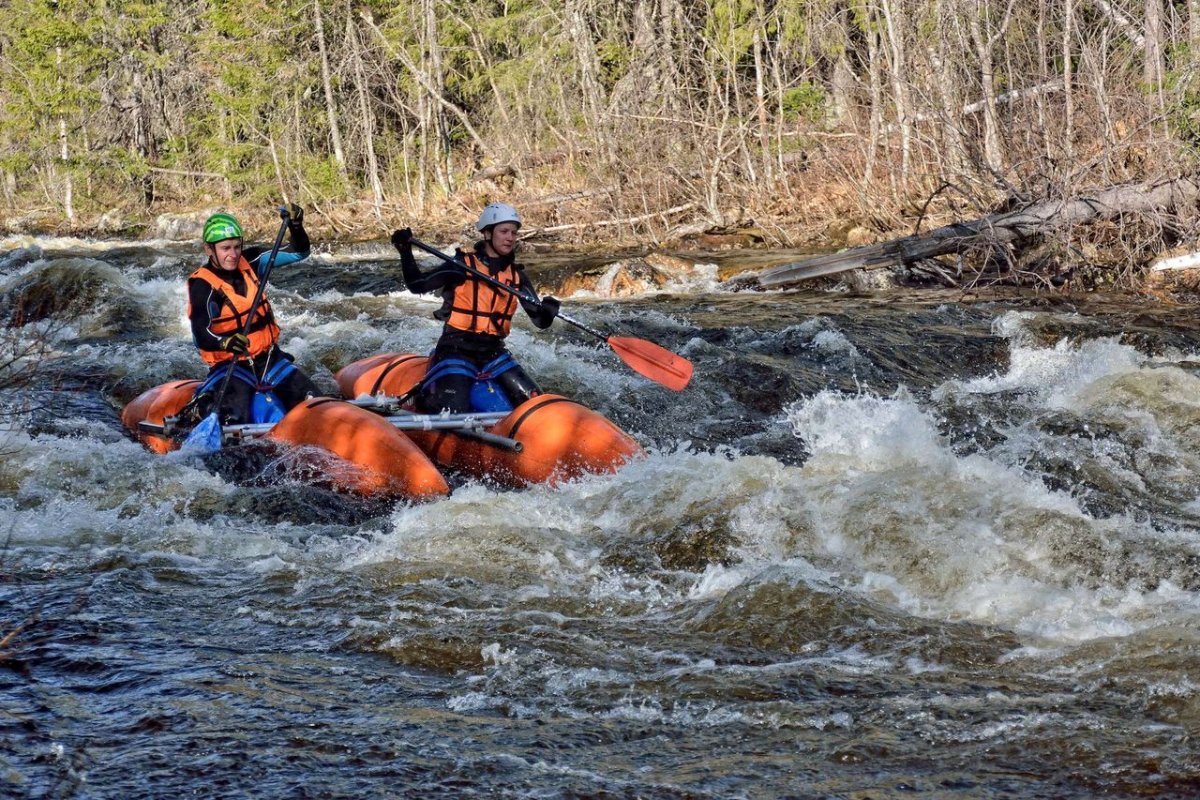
258, 293
504, 287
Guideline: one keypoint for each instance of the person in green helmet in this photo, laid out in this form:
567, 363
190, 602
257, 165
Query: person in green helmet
220, 295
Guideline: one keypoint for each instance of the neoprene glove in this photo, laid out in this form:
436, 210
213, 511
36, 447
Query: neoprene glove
295, 214
402, 240
236, 343
551, 305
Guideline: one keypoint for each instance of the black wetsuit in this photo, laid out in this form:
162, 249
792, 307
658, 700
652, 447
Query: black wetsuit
452, 392
206, 304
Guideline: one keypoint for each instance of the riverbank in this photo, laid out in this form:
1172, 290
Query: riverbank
1102, 261
352, 222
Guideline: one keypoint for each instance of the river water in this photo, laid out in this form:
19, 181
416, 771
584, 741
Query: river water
889, 545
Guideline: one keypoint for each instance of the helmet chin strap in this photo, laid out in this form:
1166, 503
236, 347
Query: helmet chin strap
488, 247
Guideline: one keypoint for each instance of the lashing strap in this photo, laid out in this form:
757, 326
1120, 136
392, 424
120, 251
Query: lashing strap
275, 375
217, 374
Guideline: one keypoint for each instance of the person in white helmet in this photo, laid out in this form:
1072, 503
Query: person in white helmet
477, 317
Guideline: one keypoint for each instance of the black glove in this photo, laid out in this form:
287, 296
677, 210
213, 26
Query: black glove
295, 215
236, 343
402, 240
550, 304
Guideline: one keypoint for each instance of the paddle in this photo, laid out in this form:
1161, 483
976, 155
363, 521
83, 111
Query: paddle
206, 436
646, 358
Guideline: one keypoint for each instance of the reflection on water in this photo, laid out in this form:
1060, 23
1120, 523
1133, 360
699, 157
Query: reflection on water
883, 544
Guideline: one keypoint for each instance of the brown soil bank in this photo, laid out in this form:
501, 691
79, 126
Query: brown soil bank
1107, 238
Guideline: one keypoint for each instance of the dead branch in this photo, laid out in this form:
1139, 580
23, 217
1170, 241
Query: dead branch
565, 198
605, 223
997, 229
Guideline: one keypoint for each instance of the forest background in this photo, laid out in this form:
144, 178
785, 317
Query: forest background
806, 123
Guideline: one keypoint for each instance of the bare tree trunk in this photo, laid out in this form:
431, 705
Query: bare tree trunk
1154, 68
585, 58
875, 82
899, 78
777, 77
985, 50
1068, 73
842, 79
331, 115
841, 87
1093, 60
64, 152
142, 136
87, 148
283, 192
760, 99
1043, 54
366, 117
9, 177
712, 195
433, 63
589, 70
641, 82
425, 146
947, 89
670, 17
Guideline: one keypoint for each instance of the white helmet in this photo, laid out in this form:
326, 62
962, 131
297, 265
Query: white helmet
496, 213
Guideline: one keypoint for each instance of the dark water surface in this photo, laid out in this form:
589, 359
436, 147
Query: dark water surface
883, 546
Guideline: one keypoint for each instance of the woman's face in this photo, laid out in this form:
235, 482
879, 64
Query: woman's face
504, 238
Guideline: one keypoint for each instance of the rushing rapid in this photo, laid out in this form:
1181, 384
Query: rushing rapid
882, 544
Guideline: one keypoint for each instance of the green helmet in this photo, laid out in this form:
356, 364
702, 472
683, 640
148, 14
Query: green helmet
220, 227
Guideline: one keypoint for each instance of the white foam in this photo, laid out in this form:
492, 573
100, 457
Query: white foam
1057, 375
956, 537
833, 342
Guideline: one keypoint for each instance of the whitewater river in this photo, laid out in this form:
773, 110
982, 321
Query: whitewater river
883, 546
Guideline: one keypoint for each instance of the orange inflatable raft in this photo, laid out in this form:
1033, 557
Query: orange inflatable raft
388, 463
558, 439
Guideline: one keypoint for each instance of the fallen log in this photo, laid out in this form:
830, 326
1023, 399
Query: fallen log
997, 229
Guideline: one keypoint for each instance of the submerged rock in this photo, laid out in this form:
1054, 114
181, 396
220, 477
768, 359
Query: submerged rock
871, 280
179, 227
33, 222
112, 221
624, 278
92, 294
1179, 273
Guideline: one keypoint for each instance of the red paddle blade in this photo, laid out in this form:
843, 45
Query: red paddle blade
656, 363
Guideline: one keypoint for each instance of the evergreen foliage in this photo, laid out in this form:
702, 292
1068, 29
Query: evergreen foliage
677, 103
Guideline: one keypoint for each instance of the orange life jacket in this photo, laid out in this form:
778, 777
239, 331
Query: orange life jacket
478, 308
232, 314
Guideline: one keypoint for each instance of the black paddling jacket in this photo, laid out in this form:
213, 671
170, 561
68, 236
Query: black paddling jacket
470, 307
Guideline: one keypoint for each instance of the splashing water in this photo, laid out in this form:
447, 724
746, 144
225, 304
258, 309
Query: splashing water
913, 545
